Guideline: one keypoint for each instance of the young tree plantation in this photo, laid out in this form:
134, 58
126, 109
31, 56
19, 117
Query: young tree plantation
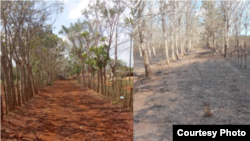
66, 85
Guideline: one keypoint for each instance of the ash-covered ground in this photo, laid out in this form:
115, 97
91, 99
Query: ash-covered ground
180, 92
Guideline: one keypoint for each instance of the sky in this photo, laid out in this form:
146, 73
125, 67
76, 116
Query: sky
72, 12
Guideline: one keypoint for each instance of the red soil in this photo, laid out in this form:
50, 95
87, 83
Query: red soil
66, 111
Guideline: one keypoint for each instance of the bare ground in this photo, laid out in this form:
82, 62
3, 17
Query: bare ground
179, 93
65, 111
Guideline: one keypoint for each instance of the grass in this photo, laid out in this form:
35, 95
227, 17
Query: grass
114, 102
130, 84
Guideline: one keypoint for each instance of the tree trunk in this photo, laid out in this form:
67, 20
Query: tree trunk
9, 94
141, 42
182, 54
5, 93
227, 34
223, 42
149, 51
154, 51
146, 61
33, 87
176, 47
131, 98
101, 80
89, 78
104, 79
2, 109
130, 56
12, 83
78, 78
165, 38
83, 78
140, 52
190, 45
22, 84
98, 81
172, 47
166, 51
17, 86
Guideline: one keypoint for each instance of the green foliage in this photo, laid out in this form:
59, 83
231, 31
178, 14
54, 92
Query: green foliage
85, 34
84, 55
128, 21
100, 54
103, 38
77, 69
91, 63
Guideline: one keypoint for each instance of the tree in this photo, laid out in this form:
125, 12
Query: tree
24, 24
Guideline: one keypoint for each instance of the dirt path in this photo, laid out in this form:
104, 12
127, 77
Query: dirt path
179, 93
66, 111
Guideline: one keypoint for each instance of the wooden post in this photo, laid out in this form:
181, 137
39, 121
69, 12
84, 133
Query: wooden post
126, 88
241, 53
130, 56
238, 55
94, 85
125, 96
108, 90
1, 108
245, 55
116, 94
230, 53
130, 98
235, 54
93, 82
120, 93
115, 88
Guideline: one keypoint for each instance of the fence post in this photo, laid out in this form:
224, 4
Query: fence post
1, 108
235, 51
130, 98
241, 53
125, 96
245, 55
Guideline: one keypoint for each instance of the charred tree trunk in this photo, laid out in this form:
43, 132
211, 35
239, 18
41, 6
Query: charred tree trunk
146, 61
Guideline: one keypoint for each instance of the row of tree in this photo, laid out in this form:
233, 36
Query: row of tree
94, 39
29, 46
179, 26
